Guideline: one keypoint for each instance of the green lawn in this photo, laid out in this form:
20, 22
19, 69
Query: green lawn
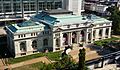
36, 66
105, 41
51, 55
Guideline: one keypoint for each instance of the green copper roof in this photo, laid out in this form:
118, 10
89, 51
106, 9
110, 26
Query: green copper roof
26, 26
27, 23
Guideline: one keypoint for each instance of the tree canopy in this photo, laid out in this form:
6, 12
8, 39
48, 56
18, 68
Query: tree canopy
82, 60
115, 18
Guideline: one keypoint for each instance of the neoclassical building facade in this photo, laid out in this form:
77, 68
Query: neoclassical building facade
55, 32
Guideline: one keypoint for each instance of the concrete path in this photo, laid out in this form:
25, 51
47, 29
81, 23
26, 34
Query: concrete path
117, 36
90, 54
32, 61
109, 67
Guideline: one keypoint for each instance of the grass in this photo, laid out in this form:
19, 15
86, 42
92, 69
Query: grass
36, 66
105, 41
51, 55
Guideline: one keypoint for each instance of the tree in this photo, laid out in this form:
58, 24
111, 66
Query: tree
115, 18
65, 64
81, 65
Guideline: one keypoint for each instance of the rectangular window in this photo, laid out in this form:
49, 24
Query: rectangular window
7, 7
21, 35
32, 6
31, 34
18, 36
58, 5
0, 8
24, 35
34, 34
49, 5
41, 5
26, 6
16, 7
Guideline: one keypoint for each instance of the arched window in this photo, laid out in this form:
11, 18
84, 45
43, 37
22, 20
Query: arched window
58, 42
89, 36
82, 35
94, 33
34, 44
45, 42
23, 46
65, 39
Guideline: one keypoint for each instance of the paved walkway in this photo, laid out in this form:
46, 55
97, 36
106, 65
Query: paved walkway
117, 36
109, 67
90, 54
40, 59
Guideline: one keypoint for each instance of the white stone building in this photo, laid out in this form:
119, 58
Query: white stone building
55, 32
96, 7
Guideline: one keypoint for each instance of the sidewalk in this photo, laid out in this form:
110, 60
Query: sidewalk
40, 59
117, 36
109, 67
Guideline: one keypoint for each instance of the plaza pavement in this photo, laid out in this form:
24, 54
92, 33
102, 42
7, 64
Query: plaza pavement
109, 67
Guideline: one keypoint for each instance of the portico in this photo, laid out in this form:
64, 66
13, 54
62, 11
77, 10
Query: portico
81, 36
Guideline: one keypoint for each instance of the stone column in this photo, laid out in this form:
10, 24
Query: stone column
61, 39
92, 36
86, 36
69, 38
78, 35
103, 33
54, 43
96, 34
109, 34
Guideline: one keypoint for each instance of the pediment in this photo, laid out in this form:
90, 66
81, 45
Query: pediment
91, 25
59, 29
